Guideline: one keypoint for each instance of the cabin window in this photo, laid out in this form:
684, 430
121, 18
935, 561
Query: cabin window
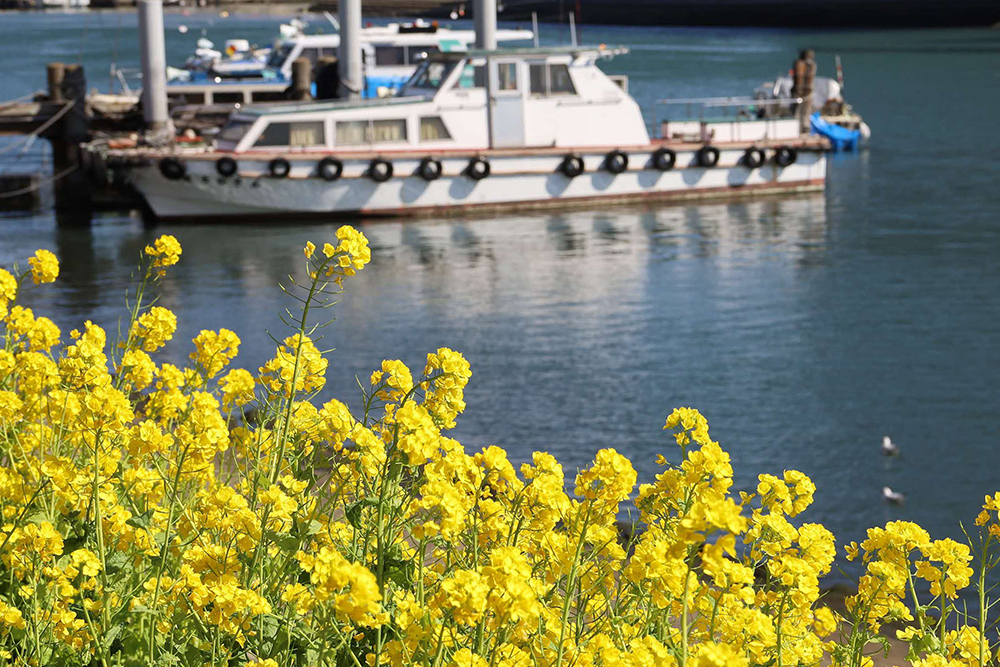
269, 96
235, 130
415, 54
432, 128
192, 98
560, 82
385, 131
430, 76
473, 76
390, 55
536, 74
279, 55
360, 132
507, 76
227, 98
550, 80
352, 132
292, 134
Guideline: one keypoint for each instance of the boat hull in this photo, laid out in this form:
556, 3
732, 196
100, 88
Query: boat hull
516, 182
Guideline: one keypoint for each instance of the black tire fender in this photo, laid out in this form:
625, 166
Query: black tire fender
330, 169
279, 167
172, 168
753, 158
571, 166
430, 169
664, 159
380, 170
478, 168
707, 156
616, 162
226, 166
785, 156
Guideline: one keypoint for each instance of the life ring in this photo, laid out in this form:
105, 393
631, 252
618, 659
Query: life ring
226, 166
380, 170
330, 168
478, 169
707, 156
279, 167
753, 158
664, 159
430, 169
172, 168
571, 166
785, 156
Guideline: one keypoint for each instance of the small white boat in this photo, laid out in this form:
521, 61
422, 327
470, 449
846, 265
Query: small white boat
390, 54
64, 4
554, 130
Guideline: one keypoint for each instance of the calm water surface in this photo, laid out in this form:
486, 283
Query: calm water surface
804, 328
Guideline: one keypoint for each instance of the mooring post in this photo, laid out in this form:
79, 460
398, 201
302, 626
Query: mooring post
351, 75
55, 73
301, 79
154, 65
327, 78
71, 185
486, 24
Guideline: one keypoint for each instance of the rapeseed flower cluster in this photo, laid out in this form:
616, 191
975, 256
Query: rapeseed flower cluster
152, 514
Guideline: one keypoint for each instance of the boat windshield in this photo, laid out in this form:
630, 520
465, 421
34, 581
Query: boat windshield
279, 53
430, 75
235, 130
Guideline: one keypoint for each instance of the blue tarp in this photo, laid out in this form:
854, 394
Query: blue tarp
841, 138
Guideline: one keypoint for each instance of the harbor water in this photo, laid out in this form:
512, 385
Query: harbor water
804, 328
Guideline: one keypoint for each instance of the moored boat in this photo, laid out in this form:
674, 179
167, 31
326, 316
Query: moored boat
480, 129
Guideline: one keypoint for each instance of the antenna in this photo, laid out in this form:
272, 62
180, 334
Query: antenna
840, 72
333, 20
572, 28
534, 27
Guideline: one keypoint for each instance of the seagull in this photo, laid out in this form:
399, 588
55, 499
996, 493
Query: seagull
889, 448
892, 497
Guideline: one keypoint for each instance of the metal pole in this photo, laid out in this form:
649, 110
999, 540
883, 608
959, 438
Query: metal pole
486, 24
351, 76
572, 28
534, 26
154, 65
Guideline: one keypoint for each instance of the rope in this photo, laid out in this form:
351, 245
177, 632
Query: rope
29, 139
21, 98
36, 186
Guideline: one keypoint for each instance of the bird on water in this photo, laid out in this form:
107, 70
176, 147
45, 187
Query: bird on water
892, 497
889, 448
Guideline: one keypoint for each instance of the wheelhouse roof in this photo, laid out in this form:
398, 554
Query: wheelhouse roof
334, 105
527, 52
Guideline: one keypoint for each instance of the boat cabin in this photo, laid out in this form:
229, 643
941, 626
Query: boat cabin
509, 98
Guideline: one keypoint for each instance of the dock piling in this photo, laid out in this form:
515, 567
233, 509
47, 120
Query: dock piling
351, 75
302, 79
154, 65
485, 15
71, 185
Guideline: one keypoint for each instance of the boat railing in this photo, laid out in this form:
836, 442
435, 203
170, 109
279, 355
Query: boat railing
724, 107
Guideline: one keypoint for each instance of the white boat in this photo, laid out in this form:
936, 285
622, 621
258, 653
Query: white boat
390, 54
553, 131
64, 4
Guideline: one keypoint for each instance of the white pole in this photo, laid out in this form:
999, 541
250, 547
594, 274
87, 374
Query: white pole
486, 24
351, 76
572, 29
534, 26
154, 65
